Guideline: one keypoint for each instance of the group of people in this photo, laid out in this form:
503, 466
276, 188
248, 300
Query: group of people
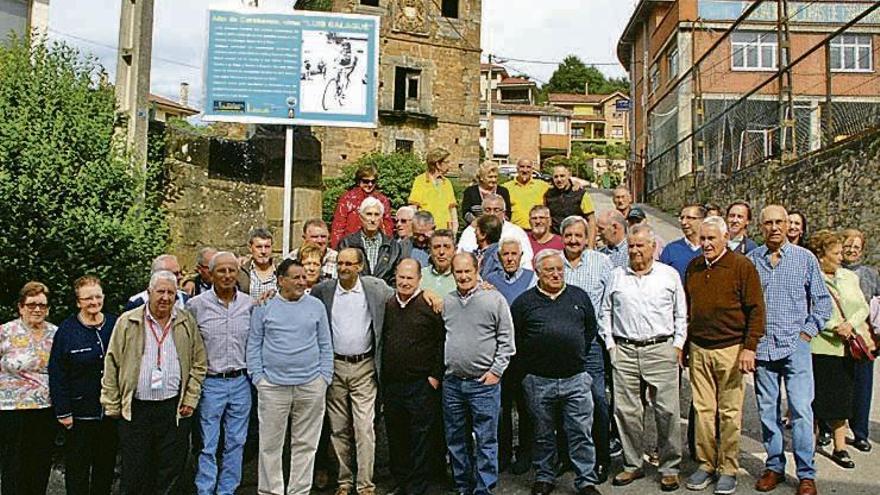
525, 320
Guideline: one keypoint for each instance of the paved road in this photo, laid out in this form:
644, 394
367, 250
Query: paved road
864, 480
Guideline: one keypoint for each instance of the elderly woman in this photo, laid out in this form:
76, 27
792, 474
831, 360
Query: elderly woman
432, 191
346, 219
311, 257
27, 422
75, 369
832, 368
797, 228
869, 281
487, 183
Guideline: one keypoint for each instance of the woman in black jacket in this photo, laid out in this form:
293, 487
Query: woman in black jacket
75, 368
487, 183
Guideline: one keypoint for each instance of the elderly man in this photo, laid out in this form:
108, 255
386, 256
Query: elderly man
163, 262
541, 237
494, 205
437, 276
590, 270
637, 216
382, 253
679, 253
525, 192
622, 200
479, 345
739, 216
564, 201
290, 361
412, 368
152, 380
644, 324
725, 322
201, 281
315, 231
403, 222
223, 316
512, 280
418, 246
257, 276
612, 230
555, 325
798, 305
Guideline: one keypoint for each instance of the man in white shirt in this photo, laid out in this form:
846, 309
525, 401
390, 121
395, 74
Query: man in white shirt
493, 204
643, 321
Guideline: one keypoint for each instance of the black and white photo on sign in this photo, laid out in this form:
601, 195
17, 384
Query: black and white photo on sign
334, 73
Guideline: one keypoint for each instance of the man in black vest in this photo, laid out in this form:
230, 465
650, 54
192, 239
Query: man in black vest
564, 201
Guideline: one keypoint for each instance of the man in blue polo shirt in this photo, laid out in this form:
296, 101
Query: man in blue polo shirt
679, 253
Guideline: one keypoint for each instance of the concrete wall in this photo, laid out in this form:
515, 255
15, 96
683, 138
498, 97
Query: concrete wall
525, 136
835, 189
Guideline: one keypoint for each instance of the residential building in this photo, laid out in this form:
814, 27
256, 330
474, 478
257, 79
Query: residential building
663, 39
520, 128
596, 119
22, 16
429, 70
162, 109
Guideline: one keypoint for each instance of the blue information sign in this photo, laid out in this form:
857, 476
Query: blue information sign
300, 68
621, 105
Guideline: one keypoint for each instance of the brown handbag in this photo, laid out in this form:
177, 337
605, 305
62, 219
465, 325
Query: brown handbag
856, 347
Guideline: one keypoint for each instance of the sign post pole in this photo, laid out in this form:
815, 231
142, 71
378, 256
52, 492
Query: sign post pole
288, 188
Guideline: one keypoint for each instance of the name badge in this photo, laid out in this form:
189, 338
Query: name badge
156, 376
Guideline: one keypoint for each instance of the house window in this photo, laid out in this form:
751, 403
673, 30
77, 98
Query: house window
617, 132
655, 78
851, 53
371, 3
577, 132
672, 63
553, 125
406, 88
403, 145
754, 51
449, 8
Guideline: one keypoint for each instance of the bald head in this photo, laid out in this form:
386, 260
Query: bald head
774, 226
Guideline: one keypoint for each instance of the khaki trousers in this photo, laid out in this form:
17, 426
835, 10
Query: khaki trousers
718, 389
657, 366
351, 407
303, 407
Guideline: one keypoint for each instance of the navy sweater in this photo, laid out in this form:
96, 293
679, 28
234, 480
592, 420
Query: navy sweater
553, 337
75, 367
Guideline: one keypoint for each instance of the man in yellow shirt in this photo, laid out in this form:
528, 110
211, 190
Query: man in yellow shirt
525, 192
432, 191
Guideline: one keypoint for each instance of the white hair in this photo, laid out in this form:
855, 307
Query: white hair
218, 257
571, 220
159, 276
643, 229
543, 255
509, 240
406, 210
493, 197
159, 262
371, 202
717, 222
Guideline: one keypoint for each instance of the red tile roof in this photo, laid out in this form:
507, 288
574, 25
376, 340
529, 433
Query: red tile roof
523, 109
511, 81
161, 100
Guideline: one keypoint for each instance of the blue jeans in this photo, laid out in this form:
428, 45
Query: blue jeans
571, 396
226, 401
863, 388
796, 371
601, 432
467, 401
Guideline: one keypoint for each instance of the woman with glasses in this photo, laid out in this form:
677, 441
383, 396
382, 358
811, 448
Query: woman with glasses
27, 421
346, 219
75, 369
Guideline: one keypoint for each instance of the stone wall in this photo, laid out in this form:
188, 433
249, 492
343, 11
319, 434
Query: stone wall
836, 189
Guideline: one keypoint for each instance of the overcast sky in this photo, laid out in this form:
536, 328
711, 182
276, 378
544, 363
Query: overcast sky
545, 30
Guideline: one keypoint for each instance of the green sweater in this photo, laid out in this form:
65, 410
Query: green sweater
844, 288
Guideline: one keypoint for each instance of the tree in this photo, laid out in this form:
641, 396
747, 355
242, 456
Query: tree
71, 202
572, 75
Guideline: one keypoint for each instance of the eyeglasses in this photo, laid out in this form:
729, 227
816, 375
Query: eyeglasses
368, 181
403, 220
347, 263
33, 306
97, 297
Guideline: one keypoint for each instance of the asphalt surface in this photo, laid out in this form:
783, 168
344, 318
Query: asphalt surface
863, 480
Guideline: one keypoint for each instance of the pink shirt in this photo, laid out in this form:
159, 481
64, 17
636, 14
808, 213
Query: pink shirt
555, 242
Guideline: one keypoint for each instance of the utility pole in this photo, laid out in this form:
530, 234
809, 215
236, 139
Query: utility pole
133, 73
787, 148
490, 126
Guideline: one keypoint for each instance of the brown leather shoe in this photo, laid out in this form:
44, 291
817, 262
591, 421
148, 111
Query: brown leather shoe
807, 487
669, 483
769, 480
624, 478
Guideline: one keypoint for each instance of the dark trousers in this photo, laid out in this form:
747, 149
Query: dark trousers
90, 456
863, 388
410, 415
26, 440
154, 447
601, 429
512, 395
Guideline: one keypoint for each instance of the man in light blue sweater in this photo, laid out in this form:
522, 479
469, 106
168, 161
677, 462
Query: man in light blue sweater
290, 362
479, 345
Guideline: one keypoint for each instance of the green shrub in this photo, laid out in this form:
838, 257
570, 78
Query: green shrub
396, 174
71, 201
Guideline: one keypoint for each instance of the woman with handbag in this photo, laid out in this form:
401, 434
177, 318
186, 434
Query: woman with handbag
842, 341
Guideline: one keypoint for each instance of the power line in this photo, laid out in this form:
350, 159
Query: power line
554, 62
114, 48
